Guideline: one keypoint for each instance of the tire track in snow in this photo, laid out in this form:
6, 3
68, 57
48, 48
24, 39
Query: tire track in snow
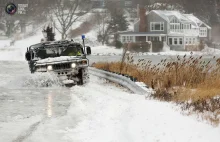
27, 133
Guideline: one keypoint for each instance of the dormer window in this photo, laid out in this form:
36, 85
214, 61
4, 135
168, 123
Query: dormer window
175, 25
174, 20
157, 26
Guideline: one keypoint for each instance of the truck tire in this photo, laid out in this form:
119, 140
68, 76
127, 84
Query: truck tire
31, 67
83, 76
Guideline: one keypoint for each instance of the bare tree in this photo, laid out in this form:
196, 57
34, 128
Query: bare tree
66, 13
103, 20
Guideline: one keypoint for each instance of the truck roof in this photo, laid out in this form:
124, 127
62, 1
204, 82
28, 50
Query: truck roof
60, 43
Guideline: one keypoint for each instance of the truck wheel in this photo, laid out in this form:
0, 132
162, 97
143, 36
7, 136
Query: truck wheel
31, 67
83, 77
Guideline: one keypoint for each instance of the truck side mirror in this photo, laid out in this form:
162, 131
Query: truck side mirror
28, 56
88, 50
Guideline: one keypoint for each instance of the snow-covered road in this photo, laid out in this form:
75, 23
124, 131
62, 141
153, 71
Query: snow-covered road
96, 112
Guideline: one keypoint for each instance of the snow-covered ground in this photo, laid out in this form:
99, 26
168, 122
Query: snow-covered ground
106, 50
17, 52
96, 112
111, 51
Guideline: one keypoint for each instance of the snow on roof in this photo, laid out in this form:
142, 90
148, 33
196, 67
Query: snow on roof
184, 18
169, 14
196, 20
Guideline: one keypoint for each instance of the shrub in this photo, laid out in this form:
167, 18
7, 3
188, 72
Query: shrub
201, 45
118, 44
139, 47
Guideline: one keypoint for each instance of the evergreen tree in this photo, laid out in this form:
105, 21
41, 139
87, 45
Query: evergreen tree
118, 22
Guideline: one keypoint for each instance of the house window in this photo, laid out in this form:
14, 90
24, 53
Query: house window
123, 38
175, 27
128, 3
157, 26
180, 41
171, 27
175, 41
194, 40
163, 38
187, 26
190, 40
174, 20
126, 39
203, 32
170, 41
186, 40
153, 38
162, 28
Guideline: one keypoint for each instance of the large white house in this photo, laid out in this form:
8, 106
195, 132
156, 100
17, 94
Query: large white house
172, 27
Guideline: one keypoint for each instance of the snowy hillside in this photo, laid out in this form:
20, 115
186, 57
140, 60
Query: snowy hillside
17, 52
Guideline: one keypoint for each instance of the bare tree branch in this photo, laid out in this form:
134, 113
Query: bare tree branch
66, 14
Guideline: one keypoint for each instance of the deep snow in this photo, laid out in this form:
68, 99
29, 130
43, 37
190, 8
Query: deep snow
96, 112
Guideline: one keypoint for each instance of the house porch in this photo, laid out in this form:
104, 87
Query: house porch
125, 38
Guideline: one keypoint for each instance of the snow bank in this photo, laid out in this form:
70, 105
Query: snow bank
210, 51
106, 50
166, 48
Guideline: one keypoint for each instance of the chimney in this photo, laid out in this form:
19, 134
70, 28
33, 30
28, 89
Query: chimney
142, 16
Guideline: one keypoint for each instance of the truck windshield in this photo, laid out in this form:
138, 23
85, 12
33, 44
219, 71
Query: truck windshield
72, 50
57, 50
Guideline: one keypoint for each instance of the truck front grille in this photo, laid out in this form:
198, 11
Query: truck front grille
41, 68
61, 66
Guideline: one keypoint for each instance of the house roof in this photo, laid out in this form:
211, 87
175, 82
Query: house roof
168, 15
184, 18
196, 20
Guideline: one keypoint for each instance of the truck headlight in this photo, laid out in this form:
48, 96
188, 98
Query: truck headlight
73, 65
49, 68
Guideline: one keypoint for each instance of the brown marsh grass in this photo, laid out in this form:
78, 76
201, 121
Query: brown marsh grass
185, 80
